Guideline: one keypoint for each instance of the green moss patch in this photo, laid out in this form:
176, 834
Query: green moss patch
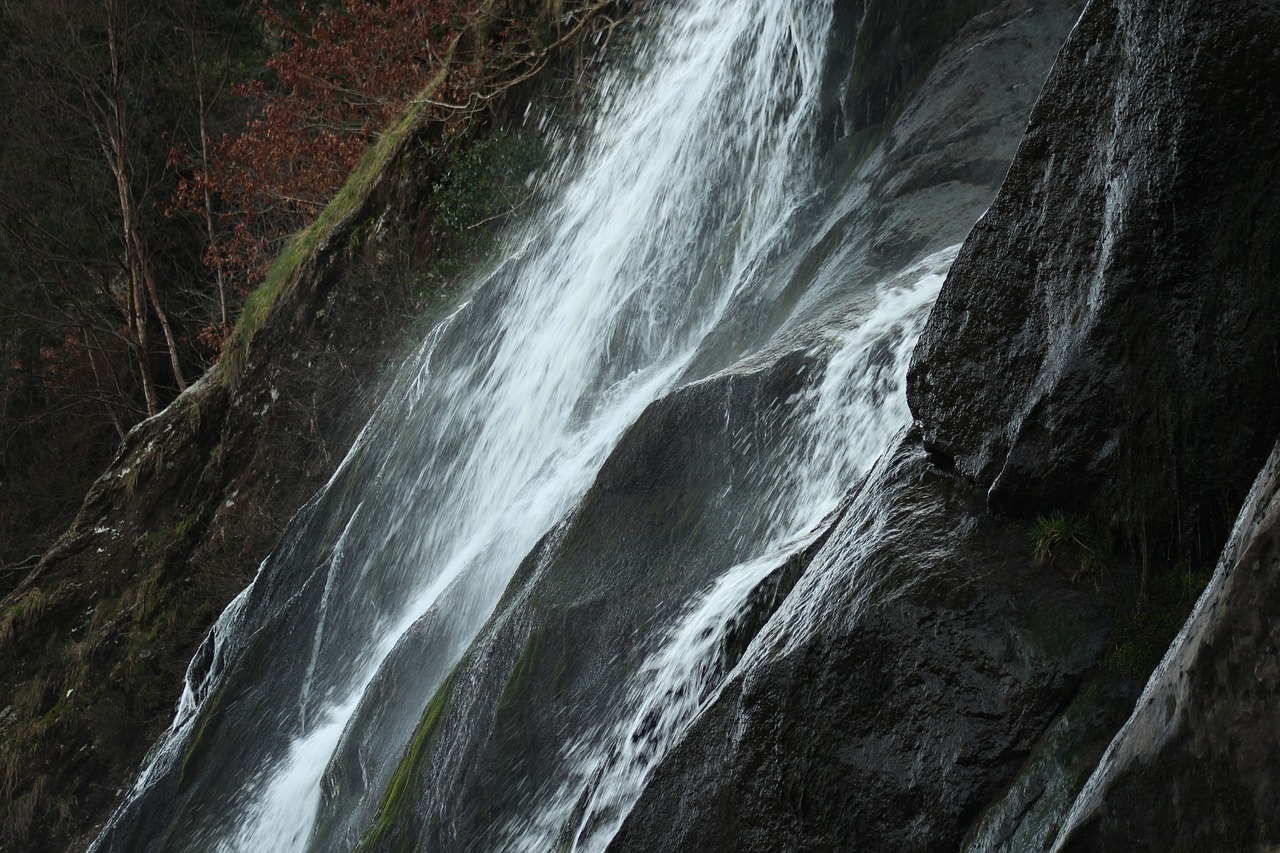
287, 268
396, 797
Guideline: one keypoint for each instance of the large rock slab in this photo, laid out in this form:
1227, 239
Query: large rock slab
1106, 341
1104, 344
677, 501
898, 689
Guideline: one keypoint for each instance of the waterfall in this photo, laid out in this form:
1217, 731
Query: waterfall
854, 412
666, 256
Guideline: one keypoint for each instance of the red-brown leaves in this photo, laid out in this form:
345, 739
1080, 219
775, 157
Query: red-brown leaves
340, 74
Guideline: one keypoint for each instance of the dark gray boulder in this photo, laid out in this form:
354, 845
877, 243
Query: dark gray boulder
900, 687
1104, 344
1107, 341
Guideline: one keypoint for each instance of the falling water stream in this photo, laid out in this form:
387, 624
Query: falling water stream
853, 413
682, 210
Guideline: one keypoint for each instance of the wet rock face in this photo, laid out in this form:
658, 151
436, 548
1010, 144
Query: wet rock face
1106, 340
1105, 343
882, 48
933, 664
888, 722
662, 518
1194, 768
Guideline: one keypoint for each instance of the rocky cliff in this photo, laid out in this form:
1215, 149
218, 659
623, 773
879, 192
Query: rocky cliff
877, 695
1105, 342
949, 660
1194, 767
1104, 345
1102, 354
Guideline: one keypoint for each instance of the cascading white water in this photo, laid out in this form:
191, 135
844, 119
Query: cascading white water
695, 172
856, 409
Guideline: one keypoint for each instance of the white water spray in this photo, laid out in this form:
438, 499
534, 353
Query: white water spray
695, 172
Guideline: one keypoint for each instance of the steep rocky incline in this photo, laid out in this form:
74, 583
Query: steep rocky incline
1194, 768
1107, 342
1104, 345
95, 641
897, 689
666, 515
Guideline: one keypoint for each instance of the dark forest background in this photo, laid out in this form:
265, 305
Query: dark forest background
155, 155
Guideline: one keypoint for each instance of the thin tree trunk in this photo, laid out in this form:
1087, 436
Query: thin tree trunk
150, 282
138, 331
117, 156
139, 269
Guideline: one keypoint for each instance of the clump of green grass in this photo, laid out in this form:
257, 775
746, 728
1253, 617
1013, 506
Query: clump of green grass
1060, 538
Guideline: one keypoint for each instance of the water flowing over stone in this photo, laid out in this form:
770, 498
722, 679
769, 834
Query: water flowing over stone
629, 438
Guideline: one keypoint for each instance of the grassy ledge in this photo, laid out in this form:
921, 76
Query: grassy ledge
287, 268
